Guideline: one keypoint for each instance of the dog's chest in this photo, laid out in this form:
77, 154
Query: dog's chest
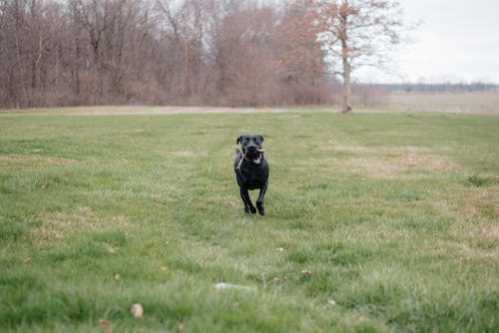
254, 175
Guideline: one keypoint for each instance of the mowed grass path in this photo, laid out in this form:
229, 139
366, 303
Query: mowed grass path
376, 223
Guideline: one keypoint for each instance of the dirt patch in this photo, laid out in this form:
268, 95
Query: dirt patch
56, 227
394, 162
23, 160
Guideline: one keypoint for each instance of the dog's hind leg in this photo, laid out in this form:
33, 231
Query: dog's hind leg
248, 205
260, 201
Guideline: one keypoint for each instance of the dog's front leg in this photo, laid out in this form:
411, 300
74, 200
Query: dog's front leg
248, 205
261, 198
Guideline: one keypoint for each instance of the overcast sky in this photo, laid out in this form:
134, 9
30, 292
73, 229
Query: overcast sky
458, 40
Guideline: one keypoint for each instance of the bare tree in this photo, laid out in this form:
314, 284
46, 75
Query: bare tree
301, 58
358, 33
216, 52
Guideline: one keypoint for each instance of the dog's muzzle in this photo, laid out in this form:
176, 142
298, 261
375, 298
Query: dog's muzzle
254, 154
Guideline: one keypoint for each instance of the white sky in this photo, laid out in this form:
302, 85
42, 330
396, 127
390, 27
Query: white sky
458, 40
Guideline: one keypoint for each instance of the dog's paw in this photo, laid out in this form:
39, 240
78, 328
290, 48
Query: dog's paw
250, 210
261, 209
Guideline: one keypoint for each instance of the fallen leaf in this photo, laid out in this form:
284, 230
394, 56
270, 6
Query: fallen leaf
105, 325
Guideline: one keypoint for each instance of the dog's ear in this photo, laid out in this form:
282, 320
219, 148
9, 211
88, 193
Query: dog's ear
262, 139
239, 139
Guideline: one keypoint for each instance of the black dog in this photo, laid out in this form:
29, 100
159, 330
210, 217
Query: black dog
252, 171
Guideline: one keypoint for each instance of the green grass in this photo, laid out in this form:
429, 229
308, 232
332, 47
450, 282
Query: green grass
395, 217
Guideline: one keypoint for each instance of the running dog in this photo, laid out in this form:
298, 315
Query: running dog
252, 171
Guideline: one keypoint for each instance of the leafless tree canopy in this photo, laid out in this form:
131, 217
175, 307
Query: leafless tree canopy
359, 33
224, 52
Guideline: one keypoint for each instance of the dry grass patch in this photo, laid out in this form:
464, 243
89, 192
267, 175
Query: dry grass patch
58, 226
468, 252
30, 160
186, 153
394, 162
490, 231
476, 215
472, 205
151, 110
464, 103
459, 250
333, 146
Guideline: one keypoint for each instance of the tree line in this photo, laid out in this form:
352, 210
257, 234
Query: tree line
186, 52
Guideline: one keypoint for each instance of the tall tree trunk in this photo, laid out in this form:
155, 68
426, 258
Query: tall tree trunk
76, 70
187, 75
19, 64
347, 86
346, 107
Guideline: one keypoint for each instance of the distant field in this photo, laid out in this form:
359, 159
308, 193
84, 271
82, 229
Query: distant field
376, 222
474, 103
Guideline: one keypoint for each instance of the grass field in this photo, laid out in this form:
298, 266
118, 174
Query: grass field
376, 223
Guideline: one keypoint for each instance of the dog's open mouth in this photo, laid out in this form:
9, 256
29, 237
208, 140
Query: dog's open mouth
255, 156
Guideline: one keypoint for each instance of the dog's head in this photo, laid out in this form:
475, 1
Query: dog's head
252, 146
